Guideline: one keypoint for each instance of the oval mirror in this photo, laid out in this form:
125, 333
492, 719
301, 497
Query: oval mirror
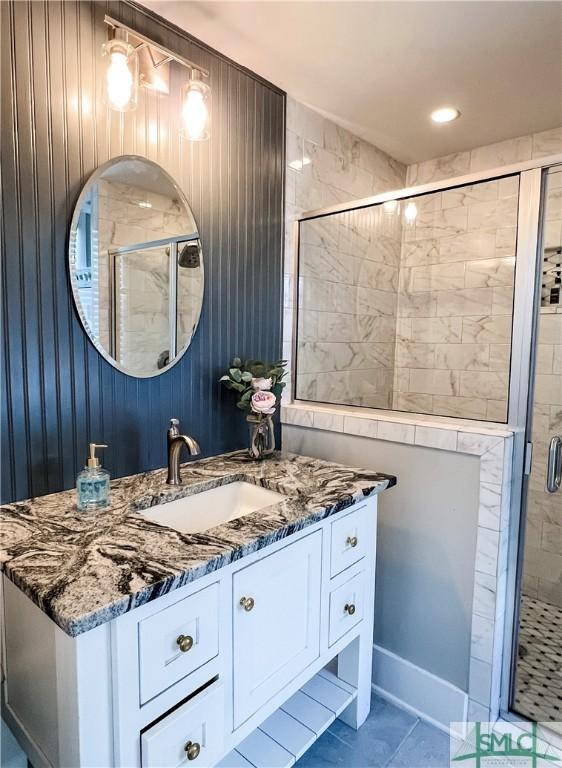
136, 266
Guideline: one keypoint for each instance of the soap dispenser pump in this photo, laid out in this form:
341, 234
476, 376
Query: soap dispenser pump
92, 484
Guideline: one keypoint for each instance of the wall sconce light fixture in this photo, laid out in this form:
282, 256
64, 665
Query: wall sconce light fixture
133, 60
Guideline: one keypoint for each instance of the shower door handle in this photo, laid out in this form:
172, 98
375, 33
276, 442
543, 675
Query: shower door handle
554, 467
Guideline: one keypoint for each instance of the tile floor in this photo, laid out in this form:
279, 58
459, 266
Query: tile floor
538, 691
389, 738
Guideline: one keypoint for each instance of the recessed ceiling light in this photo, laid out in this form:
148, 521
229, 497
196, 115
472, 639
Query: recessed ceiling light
445, 114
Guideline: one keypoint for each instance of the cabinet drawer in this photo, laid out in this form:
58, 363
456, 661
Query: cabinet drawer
348, 540
199, 721
161, 658
347, 606
276, 623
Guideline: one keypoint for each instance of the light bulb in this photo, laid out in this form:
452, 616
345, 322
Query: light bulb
119, 81
121, 75
410, 213
195, 115
195, 110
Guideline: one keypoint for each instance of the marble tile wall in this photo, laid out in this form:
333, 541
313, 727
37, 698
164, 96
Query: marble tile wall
348, 278
490, 156
452, 279
455, 298
542, 568
142, 300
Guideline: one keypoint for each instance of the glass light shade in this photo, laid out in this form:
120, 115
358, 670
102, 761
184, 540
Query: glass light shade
196, 109
121, 75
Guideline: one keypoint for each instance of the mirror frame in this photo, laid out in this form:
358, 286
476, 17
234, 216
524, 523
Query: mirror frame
92, 179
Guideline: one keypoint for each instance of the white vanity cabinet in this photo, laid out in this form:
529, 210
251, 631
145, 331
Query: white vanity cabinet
276, 635
248, 663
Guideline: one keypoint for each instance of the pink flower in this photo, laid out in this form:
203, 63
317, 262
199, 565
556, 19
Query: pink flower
263, 402
262, 384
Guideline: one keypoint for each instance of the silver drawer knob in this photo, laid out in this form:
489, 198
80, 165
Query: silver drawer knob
247, 603
349, 608
351, 541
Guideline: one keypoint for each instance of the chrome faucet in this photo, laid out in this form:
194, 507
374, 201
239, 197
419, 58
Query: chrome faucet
175, 443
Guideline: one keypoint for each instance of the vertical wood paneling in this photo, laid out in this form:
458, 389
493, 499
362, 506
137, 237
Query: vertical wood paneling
57, 392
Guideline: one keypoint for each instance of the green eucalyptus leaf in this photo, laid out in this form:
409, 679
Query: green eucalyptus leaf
235, 374
247, 376
238, 387
237, 363
227, 383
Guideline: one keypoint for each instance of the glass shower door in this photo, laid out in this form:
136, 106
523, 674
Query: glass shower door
537, 684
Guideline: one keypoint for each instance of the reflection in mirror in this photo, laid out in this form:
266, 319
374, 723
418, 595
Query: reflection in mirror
136, 266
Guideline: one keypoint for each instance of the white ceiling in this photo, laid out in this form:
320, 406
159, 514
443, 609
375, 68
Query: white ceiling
381, 67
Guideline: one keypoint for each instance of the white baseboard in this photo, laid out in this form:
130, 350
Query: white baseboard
420, 692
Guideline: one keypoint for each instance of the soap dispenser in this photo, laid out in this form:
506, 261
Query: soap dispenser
92, 483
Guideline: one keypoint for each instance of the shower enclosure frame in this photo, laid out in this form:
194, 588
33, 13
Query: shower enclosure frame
526, 301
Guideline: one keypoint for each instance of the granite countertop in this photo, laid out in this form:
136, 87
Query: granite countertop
86, 568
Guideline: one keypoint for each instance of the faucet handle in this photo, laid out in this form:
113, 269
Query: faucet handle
174, 430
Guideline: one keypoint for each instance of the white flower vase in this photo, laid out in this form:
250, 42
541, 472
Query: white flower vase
262, 436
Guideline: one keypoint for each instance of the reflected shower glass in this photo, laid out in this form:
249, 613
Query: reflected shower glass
407, 305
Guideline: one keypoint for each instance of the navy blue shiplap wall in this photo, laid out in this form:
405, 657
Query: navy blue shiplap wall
57, 391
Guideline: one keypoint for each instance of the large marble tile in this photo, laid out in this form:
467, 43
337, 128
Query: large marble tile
468, 246
547, 143
501, 153
445, 167
375, 275
462, 357
423, 304
466, 301
485, 384
420, 252
412, 403
490, 272
493, 214
470, 194
462, 407
446, 330
440, 224
486, 329
410, 354
371, 301
318, 357
445, 439
337, 326
439, 277
433, 382
328, 263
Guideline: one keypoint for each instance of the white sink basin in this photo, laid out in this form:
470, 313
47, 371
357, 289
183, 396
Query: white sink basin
201, 511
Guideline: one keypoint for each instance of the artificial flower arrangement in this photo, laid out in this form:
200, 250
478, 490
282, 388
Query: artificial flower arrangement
258, 387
